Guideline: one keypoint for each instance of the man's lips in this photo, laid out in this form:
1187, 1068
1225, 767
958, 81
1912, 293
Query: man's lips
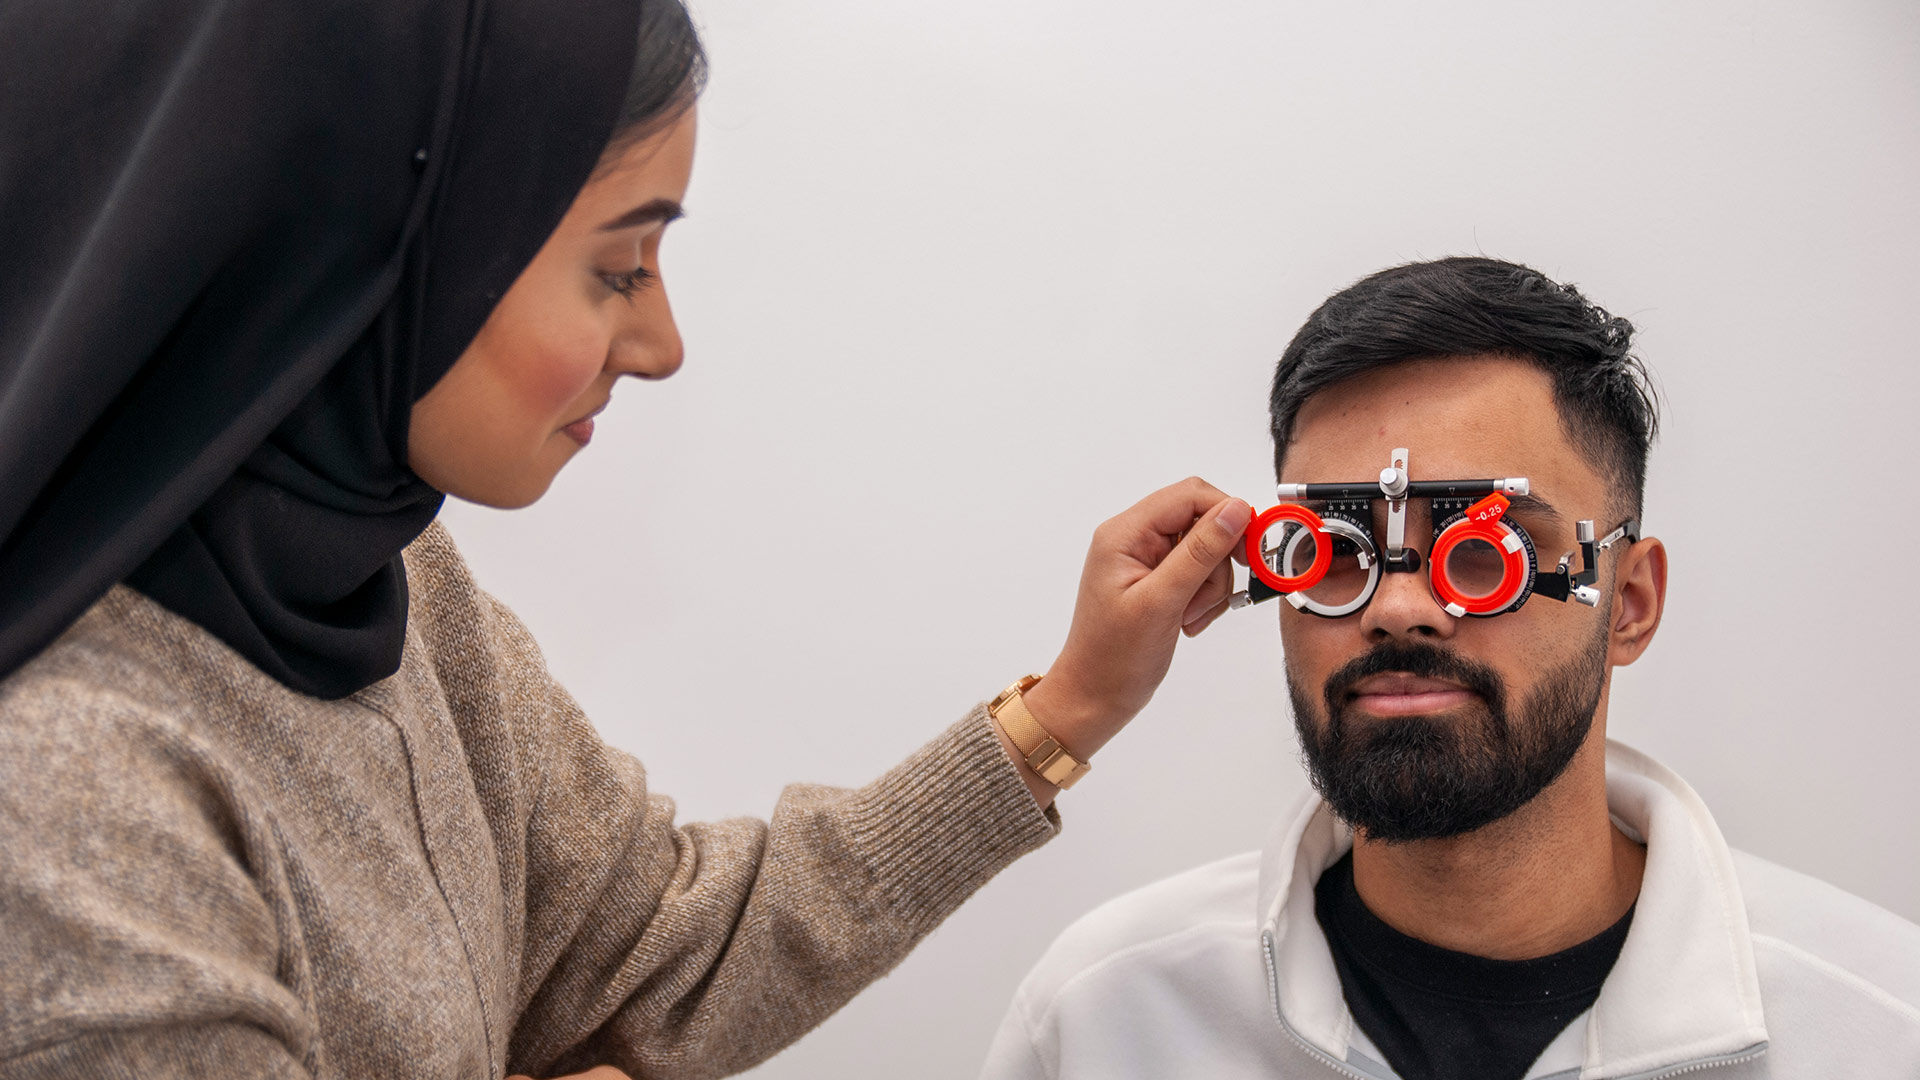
1396, 693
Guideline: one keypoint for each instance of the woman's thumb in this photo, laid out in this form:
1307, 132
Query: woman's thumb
1211, 540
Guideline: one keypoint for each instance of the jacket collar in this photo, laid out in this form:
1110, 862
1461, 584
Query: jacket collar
1683, 990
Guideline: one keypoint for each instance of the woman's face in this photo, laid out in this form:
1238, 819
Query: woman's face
589, 308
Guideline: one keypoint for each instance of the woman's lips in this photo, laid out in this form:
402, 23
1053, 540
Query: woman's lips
1399, 694
581, 430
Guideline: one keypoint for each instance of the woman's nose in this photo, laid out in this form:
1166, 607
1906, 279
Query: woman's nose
651, 347
663, 357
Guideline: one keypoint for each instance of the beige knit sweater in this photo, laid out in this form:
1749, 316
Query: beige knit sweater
204, 874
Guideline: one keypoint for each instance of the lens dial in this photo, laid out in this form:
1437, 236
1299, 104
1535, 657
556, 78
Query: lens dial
1268, 532
1482, 564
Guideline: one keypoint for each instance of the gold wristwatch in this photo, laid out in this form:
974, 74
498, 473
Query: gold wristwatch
1044, 754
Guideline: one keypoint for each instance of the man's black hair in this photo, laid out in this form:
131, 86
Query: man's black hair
1476, 307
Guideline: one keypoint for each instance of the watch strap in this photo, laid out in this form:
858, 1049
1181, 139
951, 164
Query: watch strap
1043, 753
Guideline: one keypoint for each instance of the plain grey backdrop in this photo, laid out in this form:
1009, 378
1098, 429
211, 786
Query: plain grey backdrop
962, 280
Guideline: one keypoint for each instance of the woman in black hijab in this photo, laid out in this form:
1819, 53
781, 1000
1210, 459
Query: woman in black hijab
283, 792
239, 241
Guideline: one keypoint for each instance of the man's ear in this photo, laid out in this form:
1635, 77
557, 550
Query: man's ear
1639, 598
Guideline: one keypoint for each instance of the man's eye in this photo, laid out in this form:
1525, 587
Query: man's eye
630, 282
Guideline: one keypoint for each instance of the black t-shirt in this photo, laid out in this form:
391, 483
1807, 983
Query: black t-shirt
1440, 1015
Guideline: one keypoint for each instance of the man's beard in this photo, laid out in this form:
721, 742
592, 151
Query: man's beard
1401, 778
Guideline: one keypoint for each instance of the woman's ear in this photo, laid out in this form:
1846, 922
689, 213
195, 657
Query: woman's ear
1639, 598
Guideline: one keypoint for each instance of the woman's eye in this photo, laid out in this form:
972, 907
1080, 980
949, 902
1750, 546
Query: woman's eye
628, 283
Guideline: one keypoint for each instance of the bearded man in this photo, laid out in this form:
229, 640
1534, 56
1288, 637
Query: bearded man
1484, 886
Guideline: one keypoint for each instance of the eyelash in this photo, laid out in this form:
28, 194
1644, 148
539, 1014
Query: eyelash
630, 282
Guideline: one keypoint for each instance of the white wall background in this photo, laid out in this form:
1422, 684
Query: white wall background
961, 280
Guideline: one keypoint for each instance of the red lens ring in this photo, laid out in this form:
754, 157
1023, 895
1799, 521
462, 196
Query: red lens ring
1322, 547
1493, 532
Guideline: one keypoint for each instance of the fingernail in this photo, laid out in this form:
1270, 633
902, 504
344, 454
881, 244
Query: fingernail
1234, 516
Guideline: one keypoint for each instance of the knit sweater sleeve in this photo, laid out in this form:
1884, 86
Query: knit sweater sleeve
701, 949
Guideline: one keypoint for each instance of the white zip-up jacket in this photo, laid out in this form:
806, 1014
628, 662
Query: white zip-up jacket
1733, 968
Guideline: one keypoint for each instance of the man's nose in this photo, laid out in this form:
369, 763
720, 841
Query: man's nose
1403, 607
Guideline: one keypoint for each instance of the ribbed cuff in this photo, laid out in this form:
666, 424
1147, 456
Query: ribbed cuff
940, 824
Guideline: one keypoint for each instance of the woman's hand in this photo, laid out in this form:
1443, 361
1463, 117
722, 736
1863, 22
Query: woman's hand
1156, 570
599, 1072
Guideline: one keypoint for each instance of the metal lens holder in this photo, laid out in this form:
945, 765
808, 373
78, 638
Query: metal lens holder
1477, 511
1334, 532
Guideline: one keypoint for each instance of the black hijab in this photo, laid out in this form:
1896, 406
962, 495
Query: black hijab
238, 240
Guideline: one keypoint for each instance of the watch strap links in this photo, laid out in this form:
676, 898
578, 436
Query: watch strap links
1043, 753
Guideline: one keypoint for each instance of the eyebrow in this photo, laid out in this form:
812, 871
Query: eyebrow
661, 210
1534, 504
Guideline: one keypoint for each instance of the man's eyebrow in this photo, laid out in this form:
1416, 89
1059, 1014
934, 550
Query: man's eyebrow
662, 210
1537, 506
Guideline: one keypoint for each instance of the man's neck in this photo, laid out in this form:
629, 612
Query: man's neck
1547, 877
